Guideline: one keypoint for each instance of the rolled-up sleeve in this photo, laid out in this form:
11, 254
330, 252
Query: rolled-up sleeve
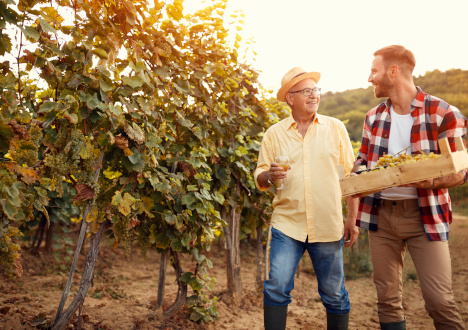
265, 158
346, 150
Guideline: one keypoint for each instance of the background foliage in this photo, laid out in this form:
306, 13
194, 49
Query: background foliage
352, 105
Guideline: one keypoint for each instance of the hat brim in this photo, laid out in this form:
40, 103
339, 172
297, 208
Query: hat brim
286, 87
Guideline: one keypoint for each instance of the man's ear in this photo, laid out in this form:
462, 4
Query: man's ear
288, 99
393, 70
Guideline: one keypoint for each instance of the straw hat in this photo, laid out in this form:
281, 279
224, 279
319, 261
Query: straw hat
292, 77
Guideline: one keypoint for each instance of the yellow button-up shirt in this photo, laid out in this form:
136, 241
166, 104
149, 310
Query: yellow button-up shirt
311, 206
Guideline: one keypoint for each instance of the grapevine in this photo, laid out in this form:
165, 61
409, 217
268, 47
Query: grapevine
9, 257
139, 116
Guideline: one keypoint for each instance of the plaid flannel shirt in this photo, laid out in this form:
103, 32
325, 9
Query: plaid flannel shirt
434, 119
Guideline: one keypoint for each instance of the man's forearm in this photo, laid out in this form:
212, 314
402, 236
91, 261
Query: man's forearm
449, 181
262, 179
353, 204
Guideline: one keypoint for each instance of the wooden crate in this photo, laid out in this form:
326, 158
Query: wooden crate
447, 163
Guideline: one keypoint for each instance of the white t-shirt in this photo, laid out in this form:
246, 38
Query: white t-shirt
400, 138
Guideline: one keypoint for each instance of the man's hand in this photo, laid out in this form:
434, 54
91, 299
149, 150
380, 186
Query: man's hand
274, 174
351, 232
277, 172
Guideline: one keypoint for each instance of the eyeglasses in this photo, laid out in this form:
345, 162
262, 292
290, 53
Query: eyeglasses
309, 91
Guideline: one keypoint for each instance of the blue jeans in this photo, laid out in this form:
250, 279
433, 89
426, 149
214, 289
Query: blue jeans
327, 259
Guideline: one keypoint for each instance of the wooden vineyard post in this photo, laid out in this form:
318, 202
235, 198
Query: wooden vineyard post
267, 253
259, 277
62, 319
163, 265
232, 232
162, 279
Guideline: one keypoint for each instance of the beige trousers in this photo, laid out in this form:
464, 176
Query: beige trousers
400, 226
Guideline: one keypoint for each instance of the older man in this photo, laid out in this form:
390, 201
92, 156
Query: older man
416, 216
308, 214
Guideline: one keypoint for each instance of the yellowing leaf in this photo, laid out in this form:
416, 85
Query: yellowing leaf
174, 12
101, 53
111, 175
133, 82
126, 203
29, 175
148, 205
128, 152
93, 215
86, 150
72, 118
117, 198
134, 132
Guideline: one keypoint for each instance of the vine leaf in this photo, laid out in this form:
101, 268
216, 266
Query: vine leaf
121, 142
83, 192
134, 132
46, 27
28, 175
86, 150
30, 32
124, 204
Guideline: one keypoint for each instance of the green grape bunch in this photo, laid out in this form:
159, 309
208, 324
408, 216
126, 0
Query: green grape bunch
10, 261
387, 161
26, 151
65, 162
402, 159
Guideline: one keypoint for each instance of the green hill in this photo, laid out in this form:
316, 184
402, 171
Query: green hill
351, 106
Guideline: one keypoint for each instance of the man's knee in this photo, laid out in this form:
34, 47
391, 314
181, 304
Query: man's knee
277, 292
439, 304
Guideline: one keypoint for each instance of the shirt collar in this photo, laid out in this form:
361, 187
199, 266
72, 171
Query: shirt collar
418, 101
290, 122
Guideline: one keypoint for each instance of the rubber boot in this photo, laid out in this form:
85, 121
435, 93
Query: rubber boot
337, 321
400, 325
274, 317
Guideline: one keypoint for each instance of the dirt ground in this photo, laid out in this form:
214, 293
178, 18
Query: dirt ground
125, 290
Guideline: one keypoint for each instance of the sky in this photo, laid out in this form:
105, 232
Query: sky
338, 37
